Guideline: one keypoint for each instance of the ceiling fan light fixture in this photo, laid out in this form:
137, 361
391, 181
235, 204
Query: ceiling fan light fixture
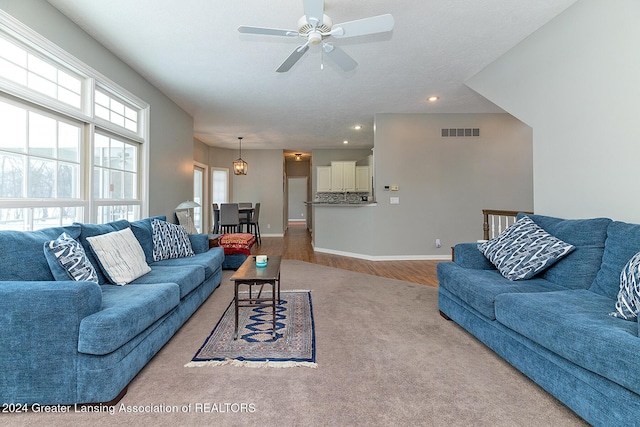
315, 38
240, 167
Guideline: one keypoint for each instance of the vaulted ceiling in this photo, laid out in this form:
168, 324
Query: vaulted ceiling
191, 50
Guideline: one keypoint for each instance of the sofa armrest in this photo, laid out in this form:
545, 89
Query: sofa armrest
39, 327
467, 255
199, 242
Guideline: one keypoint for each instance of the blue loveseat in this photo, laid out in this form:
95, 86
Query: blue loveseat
556, 328
66, 342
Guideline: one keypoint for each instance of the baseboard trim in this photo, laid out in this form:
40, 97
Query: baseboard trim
385, 257
272, 235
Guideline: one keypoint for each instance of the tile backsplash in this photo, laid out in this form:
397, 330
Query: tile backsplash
350, 197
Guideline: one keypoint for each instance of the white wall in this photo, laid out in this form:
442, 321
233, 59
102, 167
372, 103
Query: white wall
171, 132
576, 82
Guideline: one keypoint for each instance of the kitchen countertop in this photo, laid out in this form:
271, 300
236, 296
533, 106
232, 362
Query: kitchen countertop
343, 204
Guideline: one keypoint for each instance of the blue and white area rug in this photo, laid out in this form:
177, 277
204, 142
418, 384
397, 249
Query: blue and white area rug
255, 347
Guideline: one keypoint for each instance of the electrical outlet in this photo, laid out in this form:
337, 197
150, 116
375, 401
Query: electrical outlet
268, 225
438, 244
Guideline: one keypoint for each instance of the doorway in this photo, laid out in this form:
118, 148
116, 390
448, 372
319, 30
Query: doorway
297, 187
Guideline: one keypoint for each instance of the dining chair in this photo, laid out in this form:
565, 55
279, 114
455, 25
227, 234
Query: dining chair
229, 218
216, 218
254, 225
245, 217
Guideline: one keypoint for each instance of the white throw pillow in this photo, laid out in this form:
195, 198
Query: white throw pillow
120, 256
186, 221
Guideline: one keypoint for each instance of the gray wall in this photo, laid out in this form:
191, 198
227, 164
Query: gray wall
171, 132
263, 183
576, 82
444, 183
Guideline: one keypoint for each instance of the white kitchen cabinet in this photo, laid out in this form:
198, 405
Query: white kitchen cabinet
363, 178
343, 176
323, 179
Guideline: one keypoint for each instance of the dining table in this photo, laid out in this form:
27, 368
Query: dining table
245, 214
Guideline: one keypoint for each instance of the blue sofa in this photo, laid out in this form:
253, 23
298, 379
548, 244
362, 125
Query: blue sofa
66, 342
555, 328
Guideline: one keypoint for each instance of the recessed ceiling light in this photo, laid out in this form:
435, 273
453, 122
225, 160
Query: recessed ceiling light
433, 98
357, 127
345, 142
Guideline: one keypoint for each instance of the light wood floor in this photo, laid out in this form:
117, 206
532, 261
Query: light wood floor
296, 244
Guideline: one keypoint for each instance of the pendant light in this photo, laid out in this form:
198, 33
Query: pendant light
240, 167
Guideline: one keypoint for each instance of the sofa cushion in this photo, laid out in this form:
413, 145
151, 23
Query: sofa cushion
89, 230
211, 261
68, 260
479, 288
170, 241
575, 325
144, 233
120, 256
623, 242
579, 268
21, 254
628, 303
187, 277
524, 249
126, 311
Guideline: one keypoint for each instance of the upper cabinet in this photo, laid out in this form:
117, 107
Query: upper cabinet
323, 179
343, 176
363, 178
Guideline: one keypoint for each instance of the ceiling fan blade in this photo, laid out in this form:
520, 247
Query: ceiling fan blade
293, 58
314, 11
267, 31
362, 27
340, 57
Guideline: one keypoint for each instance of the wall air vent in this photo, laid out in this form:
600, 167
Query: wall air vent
447, 133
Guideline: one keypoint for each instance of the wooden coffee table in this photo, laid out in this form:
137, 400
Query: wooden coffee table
250, 275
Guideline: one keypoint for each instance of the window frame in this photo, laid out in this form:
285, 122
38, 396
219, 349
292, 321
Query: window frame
25, 97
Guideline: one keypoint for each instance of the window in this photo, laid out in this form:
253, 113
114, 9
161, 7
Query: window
63, 159
19, 65
115, 111
220, 185
198, 197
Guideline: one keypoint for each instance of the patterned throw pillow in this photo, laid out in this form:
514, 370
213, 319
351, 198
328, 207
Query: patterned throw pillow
628, 303
524, 249
170, 241
71, 256
120, 256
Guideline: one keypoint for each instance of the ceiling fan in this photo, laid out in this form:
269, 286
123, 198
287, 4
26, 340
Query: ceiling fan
315, 27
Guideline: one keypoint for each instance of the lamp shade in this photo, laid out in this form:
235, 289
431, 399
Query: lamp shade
188, 204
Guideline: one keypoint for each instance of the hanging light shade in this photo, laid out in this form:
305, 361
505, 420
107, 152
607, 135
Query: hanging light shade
240, 167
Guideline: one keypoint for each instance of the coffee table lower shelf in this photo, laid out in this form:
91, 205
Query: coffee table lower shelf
251, 275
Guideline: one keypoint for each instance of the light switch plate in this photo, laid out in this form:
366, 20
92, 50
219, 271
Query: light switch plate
394, 200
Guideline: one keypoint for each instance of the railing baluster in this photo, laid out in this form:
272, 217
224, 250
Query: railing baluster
489, 224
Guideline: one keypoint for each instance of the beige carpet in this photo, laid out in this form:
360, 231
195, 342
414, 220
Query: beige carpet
385, 358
